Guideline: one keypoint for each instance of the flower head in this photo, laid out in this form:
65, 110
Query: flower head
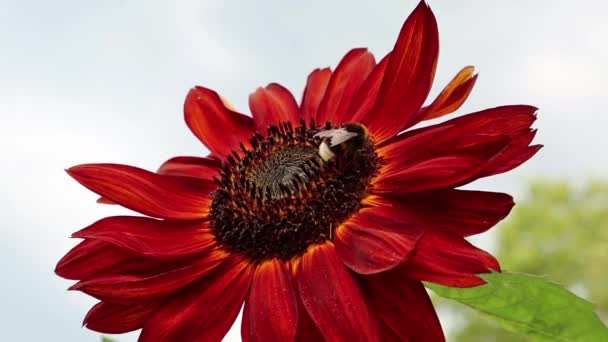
322, 216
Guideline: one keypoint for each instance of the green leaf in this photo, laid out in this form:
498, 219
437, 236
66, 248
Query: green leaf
532, 306
105, 339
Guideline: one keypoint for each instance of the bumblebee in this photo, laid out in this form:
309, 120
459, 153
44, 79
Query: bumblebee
345, 141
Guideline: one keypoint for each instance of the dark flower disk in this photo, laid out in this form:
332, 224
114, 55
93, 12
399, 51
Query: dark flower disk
322, 216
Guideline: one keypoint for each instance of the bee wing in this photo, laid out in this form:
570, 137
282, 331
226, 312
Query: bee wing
336, 136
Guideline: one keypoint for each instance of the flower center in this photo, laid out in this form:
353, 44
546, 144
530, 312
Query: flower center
291, 189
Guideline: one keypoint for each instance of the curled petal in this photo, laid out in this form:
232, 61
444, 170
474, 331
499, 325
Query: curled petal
205, 168
95, 258
216, 126
110, 318
404, 308
452, 96
368, 243
408, 77
463, 212
204, 311
350, 73
313, 93
332, 297
516, 153
450, 260
129, 288
147, 192
518, 158
103, 200
90, 257
271, 308
272, 105
150, 237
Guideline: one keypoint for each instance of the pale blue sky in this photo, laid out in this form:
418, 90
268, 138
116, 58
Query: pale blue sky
104, 81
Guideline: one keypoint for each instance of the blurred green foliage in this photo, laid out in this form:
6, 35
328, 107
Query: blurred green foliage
558, 230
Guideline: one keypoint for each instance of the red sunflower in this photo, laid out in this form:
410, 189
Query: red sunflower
324, 225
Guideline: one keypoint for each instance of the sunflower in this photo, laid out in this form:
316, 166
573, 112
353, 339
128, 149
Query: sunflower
323, 217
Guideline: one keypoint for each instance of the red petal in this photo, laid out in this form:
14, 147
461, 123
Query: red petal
314, 92
128, 288
517, 159
218, 127
95, 259
146, 192
462, 212
450, 260
203, 312
446, 166
368, 243
404, 307
88, 258
408, 77
514, 155
110, 318
103, 200
415, 147
332, 297
350, 73
511, 121
196, 167
272, 105
452, 96
307, 329
150, 237
506, 120
271, 308
434, 141
365, 99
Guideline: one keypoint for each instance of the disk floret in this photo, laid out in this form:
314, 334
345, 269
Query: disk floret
279, 196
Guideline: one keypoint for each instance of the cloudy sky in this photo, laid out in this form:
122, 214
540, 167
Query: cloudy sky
104, 81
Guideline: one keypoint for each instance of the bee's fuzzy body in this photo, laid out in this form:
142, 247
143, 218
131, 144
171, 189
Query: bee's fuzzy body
342, 141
